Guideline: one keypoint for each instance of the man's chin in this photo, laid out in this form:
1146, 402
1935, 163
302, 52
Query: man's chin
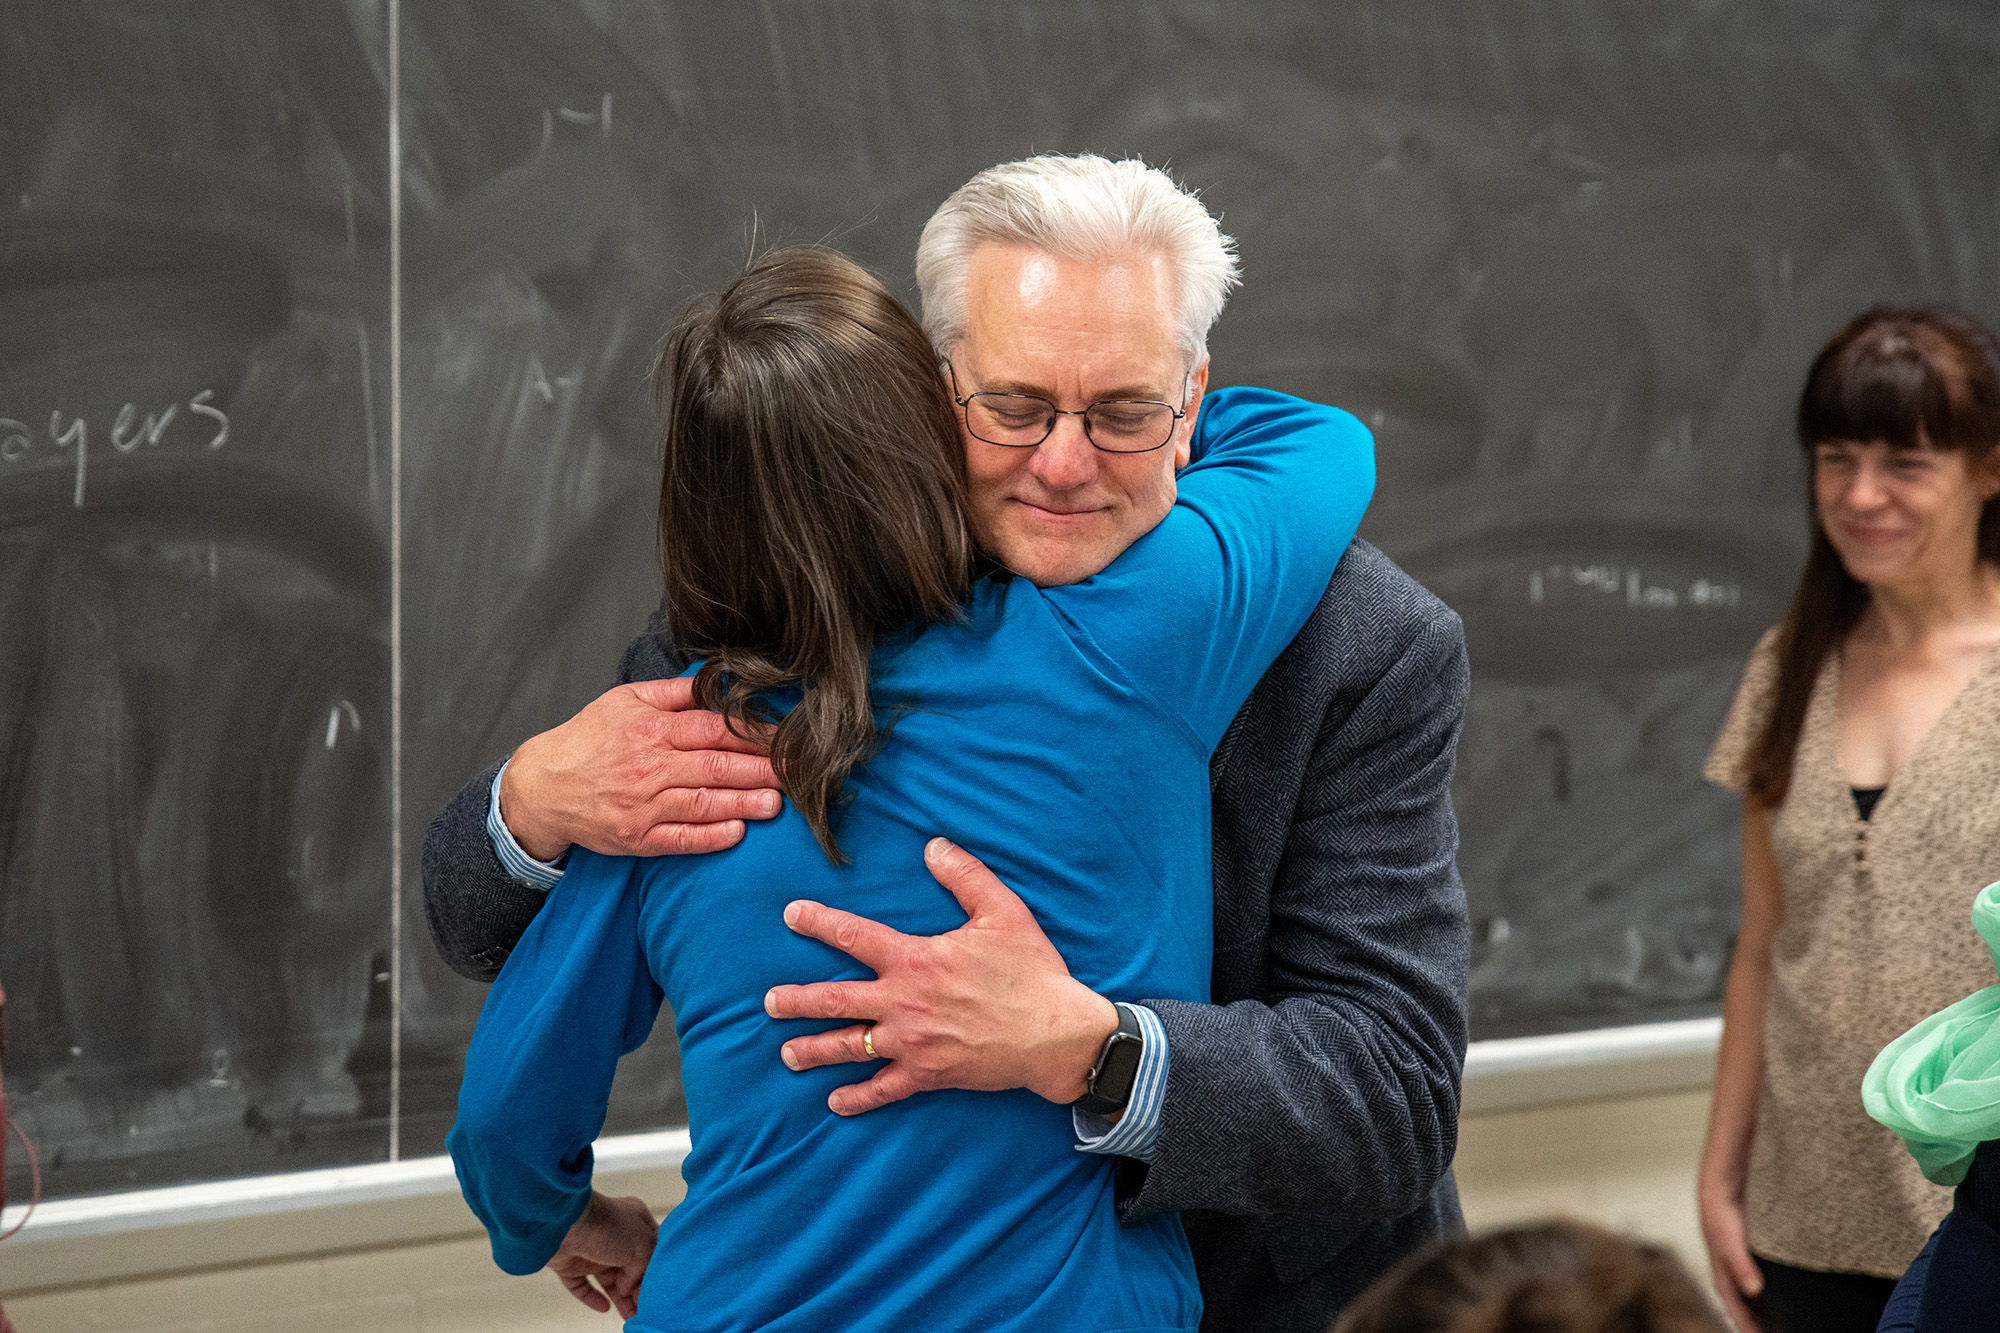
1052, 565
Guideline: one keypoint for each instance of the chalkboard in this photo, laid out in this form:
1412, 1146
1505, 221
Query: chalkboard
1569, 260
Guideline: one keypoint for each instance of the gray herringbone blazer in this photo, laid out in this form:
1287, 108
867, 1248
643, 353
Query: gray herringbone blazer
1312, 1109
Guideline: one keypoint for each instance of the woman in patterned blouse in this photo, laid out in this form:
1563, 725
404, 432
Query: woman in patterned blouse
1866, 742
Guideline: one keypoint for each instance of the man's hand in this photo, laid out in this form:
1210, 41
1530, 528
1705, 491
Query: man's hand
986, 1007
639, 772
611, 1244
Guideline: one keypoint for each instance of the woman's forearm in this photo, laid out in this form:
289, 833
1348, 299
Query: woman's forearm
1739, 1072
575, 995
1739, 1066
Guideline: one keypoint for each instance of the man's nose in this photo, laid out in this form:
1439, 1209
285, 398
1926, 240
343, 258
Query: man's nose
1067, 458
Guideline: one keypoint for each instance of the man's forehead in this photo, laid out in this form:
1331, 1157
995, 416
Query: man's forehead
1098, 386
1040, 274
1131, 289
1061, 327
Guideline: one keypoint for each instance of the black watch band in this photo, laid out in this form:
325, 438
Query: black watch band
1109, 1086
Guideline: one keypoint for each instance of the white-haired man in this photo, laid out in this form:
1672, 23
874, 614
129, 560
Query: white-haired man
1304, 1122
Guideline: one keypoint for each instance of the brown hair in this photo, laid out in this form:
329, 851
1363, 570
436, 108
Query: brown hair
1556, 1277
1915, 377
812, 500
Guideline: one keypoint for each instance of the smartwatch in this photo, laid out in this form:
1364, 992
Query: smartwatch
1109, 1086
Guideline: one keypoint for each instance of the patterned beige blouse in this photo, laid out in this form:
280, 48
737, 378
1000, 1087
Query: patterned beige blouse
1876, 935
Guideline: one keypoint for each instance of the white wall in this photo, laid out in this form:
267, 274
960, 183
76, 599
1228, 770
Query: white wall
1626, 1161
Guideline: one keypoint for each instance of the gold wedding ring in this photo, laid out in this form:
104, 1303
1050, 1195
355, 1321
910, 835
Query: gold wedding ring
868, 1041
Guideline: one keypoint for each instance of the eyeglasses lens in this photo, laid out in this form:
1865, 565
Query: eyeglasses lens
1009, 418
1129, 427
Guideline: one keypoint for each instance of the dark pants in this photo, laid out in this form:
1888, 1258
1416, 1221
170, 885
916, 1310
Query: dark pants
1799, 1300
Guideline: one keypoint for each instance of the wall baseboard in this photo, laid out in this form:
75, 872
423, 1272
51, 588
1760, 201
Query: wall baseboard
1520, 1072
229, 1222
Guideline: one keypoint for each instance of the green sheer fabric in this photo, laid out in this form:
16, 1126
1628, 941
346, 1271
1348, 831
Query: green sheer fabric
1938, 1085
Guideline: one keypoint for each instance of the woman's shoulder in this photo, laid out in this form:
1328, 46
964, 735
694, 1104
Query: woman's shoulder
1729, 761
1001, 613
1760, 669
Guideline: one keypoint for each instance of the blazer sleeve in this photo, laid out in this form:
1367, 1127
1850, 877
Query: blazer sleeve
476, 910
1342, 1094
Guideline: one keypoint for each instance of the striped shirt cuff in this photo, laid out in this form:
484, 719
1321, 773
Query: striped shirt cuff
1139, 1128
543, 875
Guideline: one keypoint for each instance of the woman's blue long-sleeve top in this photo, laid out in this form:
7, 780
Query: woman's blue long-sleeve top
1062, 735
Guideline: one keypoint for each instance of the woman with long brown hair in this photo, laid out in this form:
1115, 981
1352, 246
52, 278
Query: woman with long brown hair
819, 562
1866, 742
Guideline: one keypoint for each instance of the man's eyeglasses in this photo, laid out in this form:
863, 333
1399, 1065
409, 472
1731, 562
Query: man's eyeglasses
1114, 425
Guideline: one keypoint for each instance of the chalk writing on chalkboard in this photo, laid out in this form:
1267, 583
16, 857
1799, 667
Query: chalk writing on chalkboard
601, 118
129, 432
1631, 586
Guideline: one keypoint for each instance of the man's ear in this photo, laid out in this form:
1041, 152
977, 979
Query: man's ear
1184, 437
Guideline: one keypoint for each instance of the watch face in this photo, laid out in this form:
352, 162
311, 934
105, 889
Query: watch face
1119, 1068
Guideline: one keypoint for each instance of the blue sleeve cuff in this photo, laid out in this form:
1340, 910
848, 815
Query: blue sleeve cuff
1138, 1130
543, 875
